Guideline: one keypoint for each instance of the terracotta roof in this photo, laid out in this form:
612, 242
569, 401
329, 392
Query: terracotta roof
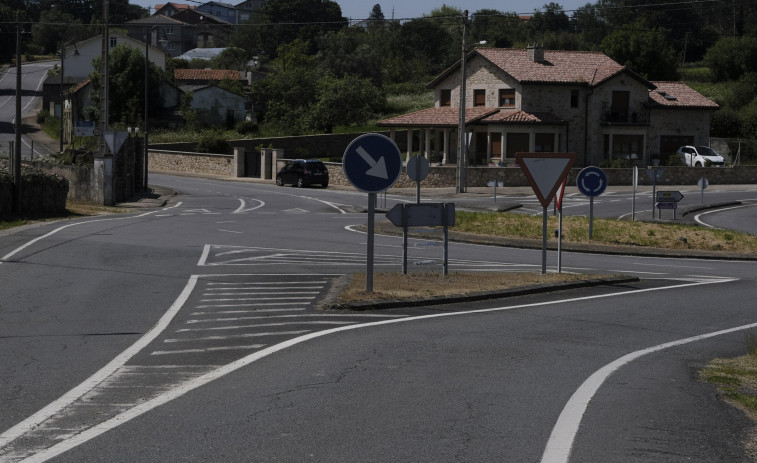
205, 74
437, 117
450, 117
514, 116
558, 66
679, 95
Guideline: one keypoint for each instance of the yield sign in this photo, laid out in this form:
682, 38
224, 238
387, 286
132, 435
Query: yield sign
545, 172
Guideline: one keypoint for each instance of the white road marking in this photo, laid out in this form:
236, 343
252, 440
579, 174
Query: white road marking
209, 349
243, 206
700, 222
200, 381
237, 336
264, 325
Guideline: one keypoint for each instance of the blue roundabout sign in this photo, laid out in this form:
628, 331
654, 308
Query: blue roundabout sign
372, 162
591, 181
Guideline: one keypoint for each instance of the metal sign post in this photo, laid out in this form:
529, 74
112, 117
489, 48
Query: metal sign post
591, 181
422, 215
372, 163
702, 183
635, 184
545, 173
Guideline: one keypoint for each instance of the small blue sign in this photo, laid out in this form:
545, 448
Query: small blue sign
372, 162
591, 181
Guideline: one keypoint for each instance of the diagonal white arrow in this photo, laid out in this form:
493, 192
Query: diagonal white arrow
378, 168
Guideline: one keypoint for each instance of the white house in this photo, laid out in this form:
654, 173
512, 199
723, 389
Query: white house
78, 57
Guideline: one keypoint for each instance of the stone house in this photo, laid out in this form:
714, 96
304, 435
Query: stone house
532, 100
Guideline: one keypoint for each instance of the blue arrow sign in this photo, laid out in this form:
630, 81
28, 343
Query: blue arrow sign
372, 162
591, 181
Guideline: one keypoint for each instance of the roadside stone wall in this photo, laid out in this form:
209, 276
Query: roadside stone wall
196, 163
40, 193
81, 180
444, 176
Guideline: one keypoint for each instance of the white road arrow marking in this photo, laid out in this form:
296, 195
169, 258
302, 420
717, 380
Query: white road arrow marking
378, 168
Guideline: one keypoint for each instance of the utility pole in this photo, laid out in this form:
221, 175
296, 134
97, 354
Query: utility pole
17, 151
462, 152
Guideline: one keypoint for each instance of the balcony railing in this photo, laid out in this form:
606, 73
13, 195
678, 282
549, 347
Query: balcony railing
636, 116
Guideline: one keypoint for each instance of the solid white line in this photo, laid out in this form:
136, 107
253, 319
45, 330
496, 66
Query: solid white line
258, 293
249, 288
696, 217
257, 299
230, 231
270, 317
91, 382
193, 384
264, 283
293, 309
561, 440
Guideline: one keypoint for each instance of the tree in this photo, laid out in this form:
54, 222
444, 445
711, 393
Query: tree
647, 52
552, 19
126, 72
591, 27
348, 52
376, 13
230, 58
731, 57
283, 21
53, 30
347, 101
498, 29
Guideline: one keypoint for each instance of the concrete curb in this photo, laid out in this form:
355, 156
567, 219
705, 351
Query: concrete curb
480, 296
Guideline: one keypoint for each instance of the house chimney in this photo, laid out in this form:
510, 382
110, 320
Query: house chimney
535, 52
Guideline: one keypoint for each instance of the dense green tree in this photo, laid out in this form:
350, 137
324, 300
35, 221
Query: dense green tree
7, 33
54, 28
376, 13
348, 52
283, 21
590, 26
731, 57
230, 58
344, 101
551, 18
647, 52
498, 29
127, 86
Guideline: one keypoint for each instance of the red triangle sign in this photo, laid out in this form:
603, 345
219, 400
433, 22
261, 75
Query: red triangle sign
545, 172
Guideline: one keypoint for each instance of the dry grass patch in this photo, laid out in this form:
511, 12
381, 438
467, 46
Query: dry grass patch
395, 286
607, 231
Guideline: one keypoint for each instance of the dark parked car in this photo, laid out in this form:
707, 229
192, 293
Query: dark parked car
303, 172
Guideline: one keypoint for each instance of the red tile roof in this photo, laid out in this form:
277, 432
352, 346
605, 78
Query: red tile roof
557, 67
205, 74
679, 95
449, 117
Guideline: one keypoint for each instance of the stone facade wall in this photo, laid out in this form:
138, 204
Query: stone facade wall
444, 176
196, 163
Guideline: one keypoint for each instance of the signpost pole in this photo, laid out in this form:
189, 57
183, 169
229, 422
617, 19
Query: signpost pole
544, 242
369, 260
635, 184
404, 240
559, 243
654, 197
591, 217
445, 264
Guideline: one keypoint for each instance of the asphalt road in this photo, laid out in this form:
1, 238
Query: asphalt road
33, 76
191, 333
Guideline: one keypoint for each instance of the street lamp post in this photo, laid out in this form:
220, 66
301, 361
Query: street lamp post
462, 152
147, 66
62, 80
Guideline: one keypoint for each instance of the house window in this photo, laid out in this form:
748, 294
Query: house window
506, 98
170, 46
479, 97
624, 146
517, 143
445, 97
574, 98
544, 142
113, 42
168, 30
620, 105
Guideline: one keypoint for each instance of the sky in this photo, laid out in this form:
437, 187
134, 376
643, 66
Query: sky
408, 9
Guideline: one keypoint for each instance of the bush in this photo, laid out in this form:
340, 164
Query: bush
247, 127
213, 142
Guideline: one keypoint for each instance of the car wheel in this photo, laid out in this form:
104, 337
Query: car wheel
279, 181
698, 164
300, 182
325, 185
